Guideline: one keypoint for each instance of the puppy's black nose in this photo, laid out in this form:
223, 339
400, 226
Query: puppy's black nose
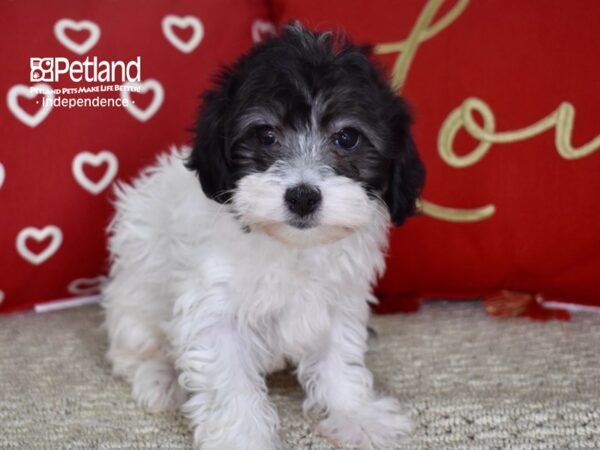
302, 199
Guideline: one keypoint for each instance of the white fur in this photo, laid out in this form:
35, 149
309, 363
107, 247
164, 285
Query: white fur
192, 293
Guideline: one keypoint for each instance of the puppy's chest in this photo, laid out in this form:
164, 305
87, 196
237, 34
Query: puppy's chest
273, 286
288, 302
296, 278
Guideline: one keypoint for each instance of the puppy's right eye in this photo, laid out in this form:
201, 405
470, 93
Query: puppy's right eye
347, 138
265, 135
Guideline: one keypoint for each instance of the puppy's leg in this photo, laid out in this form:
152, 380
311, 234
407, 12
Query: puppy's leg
340, 388
228, 407
155, 386
137, 353
137, 347
131, 342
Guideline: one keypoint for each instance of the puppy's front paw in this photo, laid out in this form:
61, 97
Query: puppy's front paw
155, 386
378, 424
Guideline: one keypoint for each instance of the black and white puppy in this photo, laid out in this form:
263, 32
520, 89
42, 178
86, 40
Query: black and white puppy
305, 156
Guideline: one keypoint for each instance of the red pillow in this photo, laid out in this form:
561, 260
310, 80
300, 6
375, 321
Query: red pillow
57, 162
506, 96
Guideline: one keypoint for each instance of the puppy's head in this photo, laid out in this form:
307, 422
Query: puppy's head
306, 141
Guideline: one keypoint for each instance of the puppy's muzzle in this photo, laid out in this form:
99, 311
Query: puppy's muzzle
303, 199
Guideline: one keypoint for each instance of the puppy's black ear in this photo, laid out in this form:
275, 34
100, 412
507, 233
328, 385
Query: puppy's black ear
406, 172
210, 157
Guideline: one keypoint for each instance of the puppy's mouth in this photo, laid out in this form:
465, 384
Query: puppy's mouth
303, 223
301, 234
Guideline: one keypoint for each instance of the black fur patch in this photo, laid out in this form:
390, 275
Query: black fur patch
301, 84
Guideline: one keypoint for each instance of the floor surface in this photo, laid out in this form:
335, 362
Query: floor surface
470, 381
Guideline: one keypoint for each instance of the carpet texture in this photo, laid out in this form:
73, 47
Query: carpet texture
469, 381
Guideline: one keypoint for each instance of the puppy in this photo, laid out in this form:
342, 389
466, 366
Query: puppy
305, 157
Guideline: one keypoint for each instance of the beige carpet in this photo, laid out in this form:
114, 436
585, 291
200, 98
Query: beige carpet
470, 382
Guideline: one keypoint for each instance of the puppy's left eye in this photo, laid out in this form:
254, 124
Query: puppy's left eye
266, 135
347, 138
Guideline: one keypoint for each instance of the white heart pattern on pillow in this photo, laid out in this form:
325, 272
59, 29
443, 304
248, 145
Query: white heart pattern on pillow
22, 90
95, 159
63, 24
144, 114
87, 286
2, 175
262, 29
39, 235
171, 21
